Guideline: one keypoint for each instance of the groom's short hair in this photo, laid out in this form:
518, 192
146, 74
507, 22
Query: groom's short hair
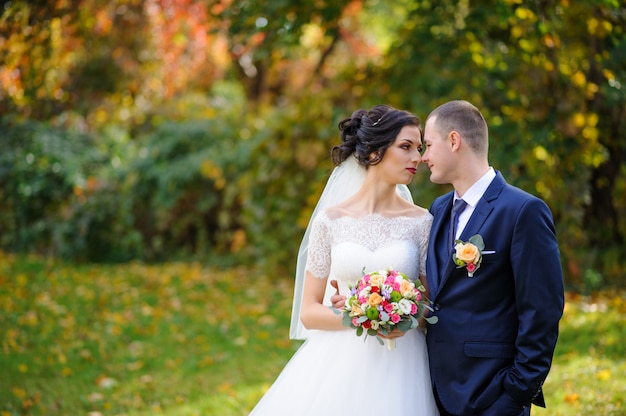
464, 118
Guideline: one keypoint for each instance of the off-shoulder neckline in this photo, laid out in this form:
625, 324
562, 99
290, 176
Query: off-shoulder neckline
426, 215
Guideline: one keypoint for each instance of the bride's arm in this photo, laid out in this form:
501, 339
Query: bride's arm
314, 314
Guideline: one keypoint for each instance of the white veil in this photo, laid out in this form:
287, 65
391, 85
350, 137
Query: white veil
345, 180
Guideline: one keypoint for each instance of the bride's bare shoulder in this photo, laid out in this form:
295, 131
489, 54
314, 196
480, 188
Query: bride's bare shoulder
337, 211
412, 210
351, 207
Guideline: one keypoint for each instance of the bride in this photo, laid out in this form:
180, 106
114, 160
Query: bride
364, 221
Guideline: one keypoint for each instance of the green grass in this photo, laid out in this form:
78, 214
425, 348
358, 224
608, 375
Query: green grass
184, 339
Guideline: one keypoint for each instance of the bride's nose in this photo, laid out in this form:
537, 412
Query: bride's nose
417, 157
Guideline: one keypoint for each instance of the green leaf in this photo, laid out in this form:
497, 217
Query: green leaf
384, 316
477, 240
335, 310
432, 320
403, 325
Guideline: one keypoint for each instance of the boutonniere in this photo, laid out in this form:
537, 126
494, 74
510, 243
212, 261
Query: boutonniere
468, 254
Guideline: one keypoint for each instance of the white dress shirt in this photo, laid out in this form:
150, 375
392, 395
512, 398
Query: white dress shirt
472, 196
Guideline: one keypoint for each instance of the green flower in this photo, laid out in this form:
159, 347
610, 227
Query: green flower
372, 313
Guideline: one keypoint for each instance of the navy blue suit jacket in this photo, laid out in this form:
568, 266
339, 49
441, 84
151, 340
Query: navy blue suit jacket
497, 331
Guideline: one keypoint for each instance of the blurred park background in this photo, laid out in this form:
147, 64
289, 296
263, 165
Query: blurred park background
144, 140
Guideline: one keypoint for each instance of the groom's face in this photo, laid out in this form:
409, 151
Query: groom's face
438, 155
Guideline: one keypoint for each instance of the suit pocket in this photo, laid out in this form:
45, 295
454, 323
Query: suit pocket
490, 256
489, 349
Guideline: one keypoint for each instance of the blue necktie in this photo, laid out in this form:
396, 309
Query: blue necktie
457, 208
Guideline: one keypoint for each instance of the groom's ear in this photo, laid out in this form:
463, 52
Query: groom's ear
455, 140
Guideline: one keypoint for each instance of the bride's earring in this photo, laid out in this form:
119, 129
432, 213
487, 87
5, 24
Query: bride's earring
374, 157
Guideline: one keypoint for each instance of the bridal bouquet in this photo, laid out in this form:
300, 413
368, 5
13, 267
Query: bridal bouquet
382, 301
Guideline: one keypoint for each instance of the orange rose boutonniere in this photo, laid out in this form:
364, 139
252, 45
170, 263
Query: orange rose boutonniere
469, 254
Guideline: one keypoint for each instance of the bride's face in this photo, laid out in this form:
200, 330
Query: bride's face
400, 161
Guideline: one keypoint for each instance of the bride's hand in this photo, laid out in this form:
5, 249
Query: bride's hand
338, 301
396, 333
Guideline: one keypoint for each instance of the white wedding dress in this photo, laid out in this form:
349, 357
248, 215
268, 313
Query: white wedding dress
336, 372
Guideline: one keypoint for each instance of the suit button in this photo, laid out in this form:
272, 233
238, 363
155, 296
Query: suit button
437, 307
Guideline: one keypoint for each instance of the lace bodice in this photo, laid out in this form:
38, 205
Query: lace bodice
344, 247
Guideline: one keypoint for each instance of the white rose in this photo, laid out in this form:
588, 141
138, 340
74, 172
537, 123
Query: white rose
405, 306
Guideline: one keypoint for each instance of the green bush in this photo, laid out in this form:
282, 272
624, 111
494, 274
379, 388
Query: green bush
183, 184
41, 167
62, 192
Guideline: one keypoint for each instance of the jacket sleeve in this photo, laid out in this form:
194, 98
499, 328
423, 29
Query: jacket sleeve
538, 278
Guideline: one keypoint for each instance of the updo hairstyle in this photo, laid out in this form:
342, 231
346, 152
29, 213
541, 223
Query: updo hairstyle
371, 131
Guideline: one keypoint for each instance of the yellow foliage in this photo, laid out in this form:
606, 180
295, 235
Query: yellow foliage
526, 45
592, 25
239, 241
604, 375
592, 90
579, 120
517, 31
592, 119
18, 392
209, 170
525, 14
579, 79
609, 75
591, 133
541, 153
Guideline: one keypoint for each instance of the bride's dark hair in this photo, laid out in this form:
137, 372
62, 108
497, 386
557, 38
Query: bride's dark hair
371, 131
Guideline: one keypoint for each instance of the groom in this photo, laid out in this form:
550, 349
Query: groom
492, 347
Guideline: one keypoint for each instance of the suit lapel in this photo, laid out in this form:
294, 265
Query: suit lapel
479, 216
476, 221
439, 233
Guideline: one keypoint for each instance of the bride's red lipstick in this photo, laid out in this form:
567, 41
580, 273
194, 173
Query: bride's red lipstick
412, 170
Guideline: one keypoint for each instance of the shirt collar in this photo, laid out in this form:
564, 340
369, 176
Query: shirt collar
476, 191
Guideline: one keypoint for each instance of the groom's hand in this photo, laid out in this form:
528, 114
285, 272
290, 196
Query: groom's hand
338, 301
